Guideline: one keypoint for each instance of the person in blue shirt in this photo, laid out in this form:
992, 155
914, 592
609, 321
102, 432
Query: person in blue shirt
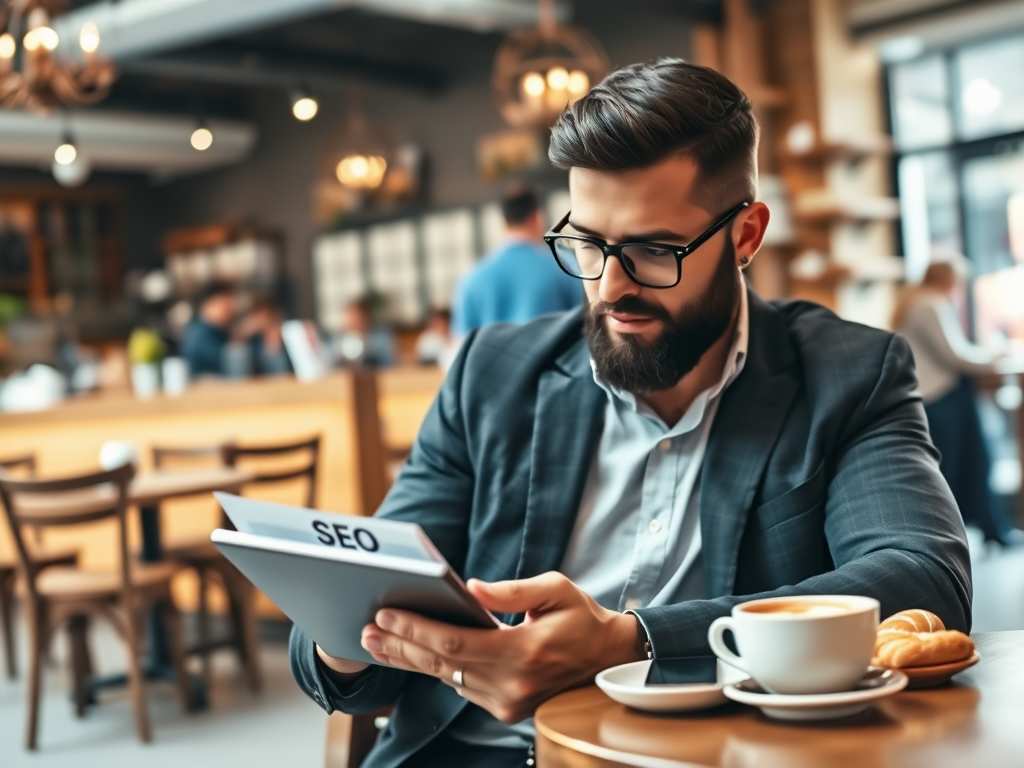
206, 335
519, 280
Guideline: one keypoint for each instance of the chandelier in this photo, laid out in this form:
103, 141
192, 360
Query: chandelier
358, 155
539, 71
32, 75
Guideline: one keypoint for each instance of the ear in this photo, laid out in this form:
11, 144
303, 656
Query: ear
748, 232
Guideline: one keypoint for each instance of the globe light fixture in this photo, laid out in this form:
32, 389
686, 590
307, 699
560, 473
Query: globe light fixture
66, 153
305, 107
539, 71
38, 79
361, 171
357, 156
202, 138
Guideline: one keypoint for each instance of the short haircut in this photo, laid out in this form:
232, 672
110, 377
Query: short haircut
215, 288
518, 204
643, 114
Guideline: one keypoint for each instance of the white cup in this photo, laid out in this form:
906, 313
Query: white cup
117, 453
174, 372
806, 644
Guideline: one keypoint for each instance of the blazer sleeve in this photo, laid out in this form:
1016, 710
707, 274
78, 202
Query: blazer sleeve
893, 528
435, 490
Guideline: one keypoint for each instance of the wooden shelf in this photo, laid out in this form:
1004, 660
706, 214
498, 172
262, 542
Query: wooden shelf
824, 207
849, 150
871, 269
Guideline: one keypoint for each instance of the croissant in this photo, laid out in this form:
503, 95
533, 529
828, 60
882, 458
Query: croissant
918, 638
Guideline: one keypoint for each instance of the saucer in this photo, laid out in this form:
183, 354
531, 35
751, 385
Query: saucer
626, 685
937, 674
876, 684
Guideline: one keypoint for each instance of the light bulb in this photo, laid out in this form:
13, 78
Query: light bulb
66, 153
578, 83
558, 78
305, 108
361, 171
202, 138
89, 37
41, 37
533, 84
7, 46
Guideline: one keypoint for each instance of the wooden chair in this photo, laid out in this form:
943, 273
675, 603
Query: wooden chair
67, 595
43, 558
206, 561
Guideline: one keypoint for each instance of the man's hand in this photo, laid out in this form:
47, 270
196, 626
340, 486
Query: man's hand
564, 641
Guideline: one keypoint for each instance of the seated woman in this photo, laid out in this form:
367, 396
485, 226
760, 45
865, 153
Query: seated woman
945, 360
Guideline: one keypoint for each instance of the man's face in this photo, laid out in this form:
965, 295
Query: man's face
646, 339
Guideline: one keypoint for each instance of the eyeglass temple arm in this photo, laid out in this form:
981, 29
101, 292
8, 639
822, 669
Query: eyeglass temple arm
691, 247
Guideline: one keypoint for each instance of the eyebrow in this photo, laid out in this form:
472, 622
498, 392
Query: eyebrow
658, 235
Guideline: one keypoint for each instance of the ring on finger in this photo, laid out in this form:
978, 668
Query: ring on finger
458, 680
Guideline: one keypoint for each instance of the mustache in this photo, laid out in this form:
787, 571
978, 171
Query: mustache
629, 305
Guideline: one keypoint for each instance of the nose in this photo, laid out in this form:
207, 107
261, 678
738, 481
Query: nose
615, 283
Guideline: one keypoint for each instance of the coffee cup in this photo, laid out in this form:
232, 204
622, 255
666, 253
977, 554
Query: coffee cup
806, 644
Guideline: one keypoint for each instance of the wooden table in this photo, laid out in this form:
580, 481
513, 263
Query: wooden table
147, 491
978, 721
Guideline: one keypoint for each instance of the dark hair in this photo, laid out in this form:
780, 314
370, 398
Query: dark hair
214, 288
644, 113
518, 204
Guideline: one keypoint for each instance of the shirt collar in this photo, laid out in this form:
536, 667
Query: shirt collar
733, 363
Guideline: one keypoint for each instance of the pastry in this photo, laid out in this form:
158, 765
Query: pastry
917, 638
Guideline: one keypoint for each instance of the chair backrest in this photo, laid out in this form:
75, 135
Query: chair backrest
232, 452
26, 462
64, 502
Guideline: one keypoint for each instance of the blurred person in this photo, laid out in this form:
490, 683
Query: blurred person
945, 361
363, 340
207, 334
610, 481
518, 281
260, 329
434, 342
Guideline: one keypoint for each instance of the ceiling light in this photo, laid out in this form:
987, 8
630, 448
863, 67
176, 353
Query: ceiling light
578, 83
533, 84
89, 38
305, 108
7, 46
558, 78
66, 153
202, 138
44, 38
362, 171
981, 97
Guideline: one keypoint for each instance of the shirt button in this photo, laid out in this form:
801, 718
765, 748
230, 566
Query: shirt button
665, 444
654, 526
633, 603
317, 697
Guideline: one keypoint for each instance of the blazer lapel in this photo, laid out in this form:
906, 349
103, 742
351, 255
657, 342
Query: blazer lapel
746, 427
567, 427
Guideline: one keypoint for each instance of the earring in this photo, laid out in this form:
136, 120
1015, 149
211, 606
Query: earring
744, 260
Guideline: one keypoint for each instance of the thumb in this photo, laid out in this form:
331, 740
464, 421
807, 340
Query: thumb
534, 595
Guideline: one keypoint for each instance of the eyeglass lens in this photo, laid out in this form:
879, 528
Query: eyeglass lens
649, 265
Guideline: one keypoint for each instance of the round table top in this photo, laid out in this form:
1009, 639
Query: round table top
146, 490
979, 720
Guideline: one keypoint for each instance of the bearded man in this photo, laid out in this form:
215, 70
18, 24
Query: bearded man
613, 479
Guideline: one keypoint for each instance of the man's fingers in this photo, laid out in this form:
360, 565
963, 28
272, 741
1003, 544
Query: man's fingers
537, 594
461, 643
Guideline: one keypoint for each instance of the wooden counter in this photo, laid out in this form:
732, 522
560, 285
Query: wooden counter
340, 407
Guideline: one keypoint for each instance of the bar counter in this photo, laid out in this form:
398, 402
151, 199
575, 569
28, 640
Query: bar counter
340, 407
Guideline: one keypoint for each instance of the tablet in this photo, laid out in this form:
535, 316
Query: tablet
331, 592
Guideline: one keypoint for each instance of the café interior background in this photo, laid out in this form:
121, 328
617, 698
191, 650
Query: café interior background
316, 153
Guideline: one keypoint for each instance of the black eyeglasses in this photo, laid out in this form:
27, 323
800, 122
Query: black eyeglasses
652, 265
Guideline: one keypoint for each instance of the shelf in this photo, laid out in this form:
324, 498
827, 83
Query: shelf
849, 150
826, 272
823, 207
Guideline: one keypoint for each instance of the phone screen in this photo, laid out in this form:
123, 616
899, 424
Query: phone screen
686, 669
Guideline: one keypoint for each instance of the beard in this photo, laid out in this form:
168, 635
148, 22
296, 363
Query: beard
642, 367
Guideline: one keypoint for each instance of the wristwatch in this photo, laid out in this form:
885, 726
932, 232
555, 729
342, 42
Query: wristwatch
643, 640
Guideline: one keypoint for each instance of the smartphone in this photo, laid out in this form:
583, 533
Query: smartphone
682, 670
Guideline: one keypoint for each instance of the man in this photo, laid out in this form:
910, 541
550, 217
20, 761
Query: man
518, 281
206, 335
612, 480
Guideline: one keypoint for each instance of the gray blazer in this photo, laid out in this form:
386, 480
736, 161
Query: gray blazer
819, 477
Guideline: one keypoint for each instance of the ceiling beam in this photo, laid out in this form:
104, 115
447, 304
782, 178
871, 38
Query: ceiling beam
139, 28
